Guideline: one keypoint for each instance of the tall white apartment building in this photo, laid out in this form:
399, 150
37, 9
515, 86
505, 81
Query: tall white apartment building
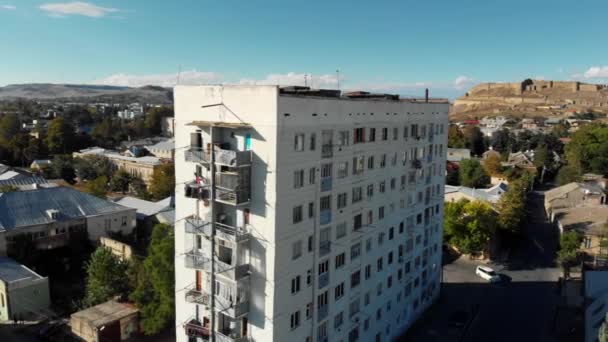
305, 215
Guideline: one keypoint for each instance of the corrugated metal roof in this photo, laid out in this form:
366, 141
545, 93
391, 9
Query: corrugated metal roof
11, 271
26, 208
23, 181
145, 208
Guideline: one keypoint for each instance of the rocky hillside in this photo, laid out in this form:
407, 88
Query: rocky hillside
531, 98
86, 93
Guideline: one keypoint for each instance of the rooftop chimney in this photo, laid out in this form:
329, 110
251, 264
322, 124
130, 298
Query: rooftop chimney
426, 95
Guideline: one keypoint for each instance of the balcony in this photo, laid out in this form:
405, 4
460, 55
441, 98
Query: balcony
195, 329
231, 308
322, 313
325, 216
323, 280
222, 156
195, 225
196, 260
324, 248
326, 184
416, 164
327, 151
233, 187
231, 233
235, 273
228, 336
197, 297
239, 197
196, 190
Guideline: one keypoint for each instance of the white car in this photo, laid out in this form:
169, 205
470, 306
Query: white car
487, 274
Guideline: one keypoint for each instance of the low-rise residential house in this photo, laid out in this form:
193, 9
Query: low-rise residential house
164, 149
24, 294
118, 248
109, 321
50, 216
573, 195
590, 222
521, 160
494, 180
493, 122
138, 166
529, 124
150, 213
28, 183
489, 131
457, 154
491, 195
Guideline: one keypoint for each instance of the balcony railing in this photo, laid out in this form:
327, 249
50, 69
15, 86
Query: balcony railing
232, 197
232, 233
197, 297
223, 157
327, 151
234, 272
323, 280
51, 241
196, 260
196, 330
195, 225
230, 336
232, 308
326, 184
197, 190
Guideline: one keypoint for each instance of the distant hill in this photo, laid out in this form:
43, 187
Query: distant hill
531, 98
86, 93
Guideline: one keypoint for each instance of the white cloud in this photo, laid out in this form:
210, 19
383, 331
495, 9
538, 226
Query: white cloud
8, 7
297, 79
190, 77
596, 72
462, 82
77, 8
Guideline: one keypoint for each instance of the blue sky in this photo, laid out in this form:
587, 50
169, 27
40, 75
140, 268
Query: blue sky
399, 46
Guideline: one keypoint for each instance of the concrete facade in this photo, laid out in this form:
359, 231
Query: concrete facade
334, 228
24, 294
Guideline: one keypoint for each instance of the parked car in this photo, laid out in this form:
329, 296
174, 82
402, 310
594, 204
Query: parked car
487, 274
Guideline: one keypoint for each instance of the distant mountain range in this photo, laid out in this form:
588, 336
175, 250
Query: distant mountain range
86, 93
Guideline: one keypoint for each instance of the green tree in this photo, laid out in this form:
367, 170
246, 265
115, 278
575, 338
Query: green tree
106, 277
542, 157
162, 184
492, 165
560, 130
455, 137
567, 174
472, 174
569, 244
469, 225
139, 187
97, 187
512, 205
474, 140
154, 292
9, 127
90, 167
503, 141
60, 136
154, 117
587, 150
120, 181
62, 167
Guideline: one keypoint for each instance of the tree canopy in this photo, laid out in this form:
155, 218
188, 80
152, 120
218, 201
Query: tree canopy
469, 225
472, 174
162, 184
455, 137
512, 204
492, 165
587, 150
105, 277
60, 136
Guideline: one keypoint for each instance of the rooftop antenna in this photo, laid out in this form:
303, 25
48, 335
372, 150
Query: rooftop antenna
179, 72
305, 80
338, 77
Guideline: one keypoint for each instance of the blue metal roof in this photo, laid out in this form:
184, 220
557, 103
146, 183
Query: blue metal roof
26, 208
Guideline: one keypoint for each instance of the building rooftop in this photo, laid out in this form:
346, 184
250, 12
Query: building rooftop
586, 220
167, 145
27, 183
562, 191
491, 195
12, 271
26, 208
146, 208
110, 154
105, 313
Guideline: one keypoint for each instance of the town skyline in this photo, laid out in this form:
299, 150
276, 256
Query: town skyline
117, 45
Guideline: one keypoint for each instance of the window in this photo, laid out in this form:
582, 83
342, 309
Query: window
383, 161
311, 242
366, 298
339, 291
379, 289
295, 285
390, 258
338, 320
382, 187
359, 135
326, 170
322, 331
322, 300
355, 251
298, 179
355, 279
324, 267
354, 307
372, 134
370, 191
311, 209
379, 264
313, 141
393, 183
384, 133
357, 194
297, 214
340, 259
368, 271
342, 170
380, 238
295, 319
124, 221
391, 233
299, 142
395, 133
370, 162
308, 277
296, 249
381, 213
341, 230
405, 132
325, 203
357, 222
368, 244
312, 175
342, 200
358, 165
343, 138
308, 310
353, 335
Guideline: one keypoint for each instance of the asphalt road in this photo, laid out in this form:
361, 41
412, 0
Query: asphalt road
522, 308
